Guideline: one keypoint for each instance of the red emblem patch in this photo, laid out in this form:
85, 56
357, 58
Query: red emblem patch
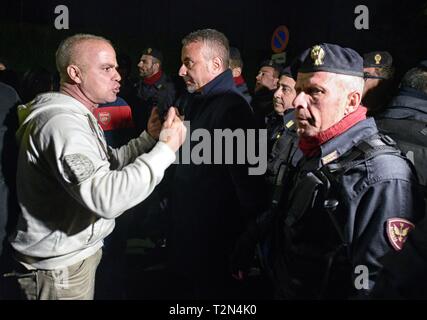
397, 231
104, 117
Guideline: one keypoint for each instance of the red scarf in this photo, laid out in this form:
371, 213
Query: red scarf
310, 146
153, 79
239, 80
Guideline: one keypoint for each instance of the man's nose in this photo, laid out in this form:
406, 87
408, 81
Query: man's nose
300, 100
182, 71
278, 92
117, 76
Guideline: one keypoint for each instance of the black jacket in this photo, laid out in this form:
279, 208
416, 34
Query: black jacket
262, 104
409, 104
212, 202
161, 94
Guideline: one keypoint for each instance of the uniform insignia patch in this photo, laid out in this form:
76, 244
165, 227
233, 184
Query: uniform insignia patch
330, 157
104, 117
317, 54
377, 58
397, 231
289, 124
77, 167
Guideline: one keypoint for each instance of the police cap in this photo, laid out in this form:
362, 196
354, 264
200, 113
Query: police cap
332, 58
377, 59
150, 51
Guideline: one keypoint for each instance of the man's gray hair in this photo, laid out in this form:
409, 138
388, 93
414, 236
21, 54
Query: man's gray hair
65, 54
351, 83
415, 78
216, 44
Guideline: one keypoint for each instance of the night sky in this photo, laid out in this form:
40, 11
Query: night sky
28, 35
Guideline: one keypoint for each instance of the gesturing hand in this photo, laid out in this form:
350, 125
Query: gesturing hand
173, 130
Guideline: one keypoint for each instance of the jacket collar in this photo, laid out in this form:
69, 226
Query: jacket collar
221, 83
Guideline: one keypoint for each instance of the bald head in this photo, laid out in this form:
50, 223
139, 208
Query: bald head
88, 68
73, 50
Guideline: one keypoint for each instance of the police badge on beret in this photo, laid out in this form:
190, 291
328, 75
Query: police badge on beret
317, 54
77, 168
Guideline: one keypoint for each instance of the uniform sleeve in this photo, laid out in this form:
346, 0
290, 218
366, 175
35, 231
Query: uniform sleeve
74, 154
404, 273
379, 205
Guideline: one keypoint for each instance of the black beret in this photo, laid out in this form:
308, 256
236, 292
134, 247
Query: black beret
153, 52
332, 58
377, 59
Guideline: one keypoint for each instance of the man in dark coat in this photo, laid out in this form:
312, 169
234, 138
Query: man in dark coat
211, 201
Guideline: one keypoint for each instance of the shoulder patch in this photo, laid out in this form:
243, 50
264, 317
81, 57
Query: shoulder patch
77, 167
397, 230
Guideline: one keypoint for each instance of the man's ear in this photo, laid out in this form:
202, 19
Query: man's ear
74, 73
353, 101
156, 67
217, 64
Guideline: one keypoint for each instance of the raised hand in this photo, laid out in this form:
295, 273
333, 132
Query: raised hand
173, 130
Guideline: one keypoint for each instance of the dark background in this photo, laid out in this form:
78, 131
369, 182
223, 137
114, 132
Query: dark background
28, 36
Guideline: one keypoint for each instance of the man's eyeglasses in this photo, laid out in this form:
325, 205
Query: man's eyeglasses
367, 75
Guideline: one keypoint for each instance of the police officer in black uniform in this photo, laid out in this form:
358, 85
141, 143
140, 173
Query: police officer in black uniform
265, 86
353, 196
282, 103
405, 119
155, 89
379, 81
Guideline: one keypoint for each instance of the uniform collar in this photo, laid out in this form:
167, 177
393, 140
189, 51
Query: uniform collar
342, 143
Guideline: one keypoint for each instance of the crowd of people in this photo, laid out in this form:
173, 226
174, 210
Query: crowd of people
89, 154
